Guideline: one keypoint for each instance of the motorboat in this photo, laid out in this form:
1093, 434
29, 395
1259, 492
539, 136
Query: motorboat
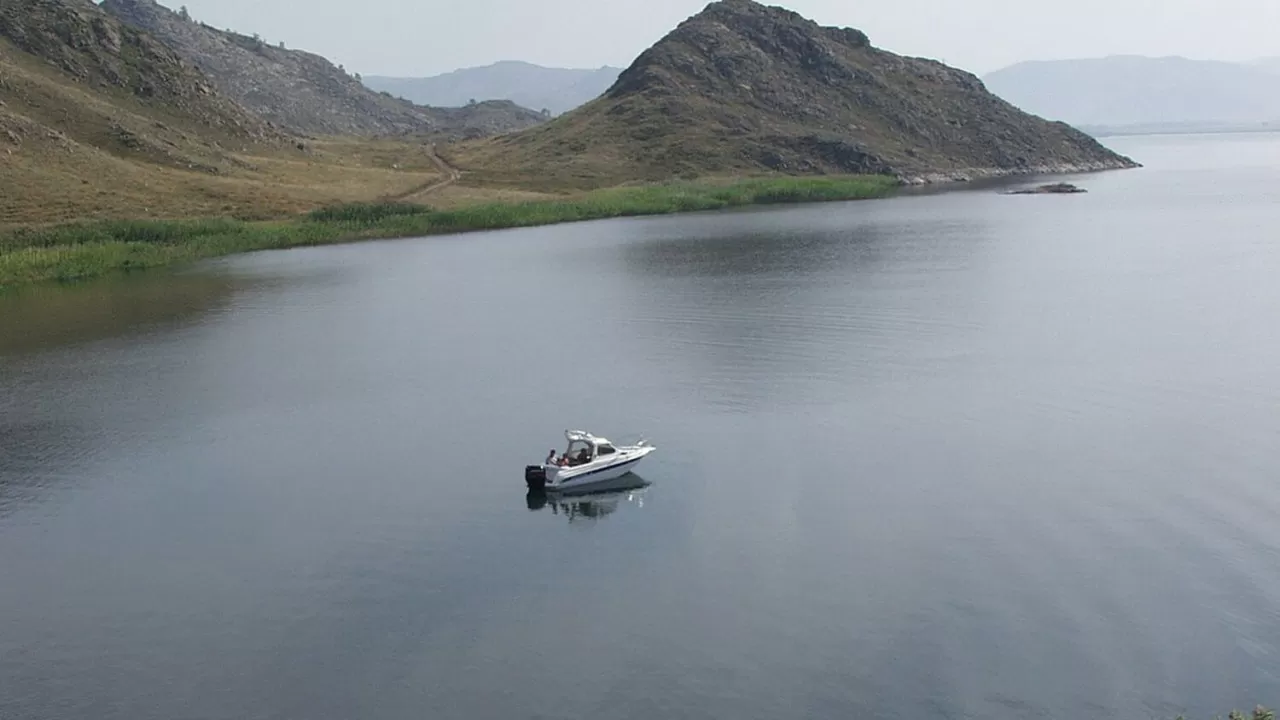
588, 461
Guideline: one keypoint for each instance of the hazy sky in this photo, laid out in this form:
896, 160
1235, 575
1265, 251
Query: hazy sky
425, 37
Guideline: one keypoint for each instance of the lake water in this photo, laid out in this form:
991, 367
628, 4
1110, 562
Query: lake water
954, 455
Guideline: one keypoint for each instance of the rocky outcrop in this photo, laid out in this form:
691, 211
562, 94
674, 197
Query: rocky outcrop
742, 87
13, 128
304, 92
484, 119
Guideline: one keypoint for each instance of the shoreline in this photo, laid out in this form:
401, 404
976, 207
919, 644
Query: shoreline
81, 251
971, 175
71, 252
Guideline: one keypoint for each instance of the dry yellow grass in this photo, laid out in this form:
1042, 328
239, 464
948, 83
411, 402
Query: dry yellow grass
85, 183
73, 152
463, 195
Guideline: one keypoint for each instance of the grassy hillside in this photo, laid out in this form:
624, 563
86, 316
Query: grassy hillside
74, 151
98, 120
91, 49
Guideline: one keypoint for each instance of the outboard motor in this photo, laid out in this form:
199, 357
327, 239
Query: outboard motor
535, 476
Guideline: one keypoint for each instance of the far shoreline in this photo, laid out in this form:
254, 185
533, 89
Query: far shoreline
1121, 132
77, 251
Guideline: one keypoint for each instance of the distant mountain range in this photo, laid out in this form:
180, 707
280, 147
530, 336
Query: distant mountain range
555, 90
1129, 93
1269, 64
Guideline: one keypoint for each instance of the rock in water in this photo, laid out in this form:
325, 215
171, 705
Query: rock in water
1051, 189
742, 87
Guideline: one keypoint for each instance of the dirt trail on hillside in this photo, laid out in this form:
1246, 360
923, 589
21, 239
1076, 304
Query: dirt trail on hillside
450, 175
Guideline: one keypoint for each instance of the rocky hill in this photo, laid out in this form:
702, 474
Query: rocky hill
742, 87
86, 103
555, 90
100, 120
99, 53
82, 96
305, 92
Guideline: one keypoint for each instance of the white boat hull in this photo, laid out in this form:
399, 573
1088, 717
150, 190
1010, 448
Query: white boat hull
595, 473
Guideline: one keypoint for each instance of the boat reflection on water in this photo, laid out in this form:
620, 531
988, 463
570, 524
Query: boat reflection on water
603, 500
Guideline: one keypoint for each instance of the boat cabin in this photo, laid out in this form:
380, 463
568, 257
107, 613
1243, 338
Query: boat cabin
585, 448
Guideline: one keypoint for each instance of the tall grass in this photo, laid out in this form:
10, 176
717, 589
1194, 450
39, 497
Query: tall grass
366, 212
81, 250
152, 232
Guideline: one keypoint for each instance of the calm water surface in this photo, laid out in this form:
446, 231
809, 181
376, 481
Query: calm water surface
954, 455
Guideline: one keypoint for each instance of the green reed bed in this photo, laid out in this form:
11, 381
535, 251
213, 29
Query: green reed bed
82, 250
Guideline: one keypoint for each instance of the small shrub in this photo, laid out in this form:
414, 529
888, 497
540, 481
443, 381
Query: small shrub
366, 212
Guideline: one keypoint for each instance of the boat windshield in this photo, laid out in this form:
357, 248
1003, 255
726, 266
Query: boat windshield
579, 452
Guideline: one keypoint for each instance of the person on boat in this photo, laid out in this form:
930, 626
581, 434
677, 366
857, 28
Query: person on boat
584, 456
551, 458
